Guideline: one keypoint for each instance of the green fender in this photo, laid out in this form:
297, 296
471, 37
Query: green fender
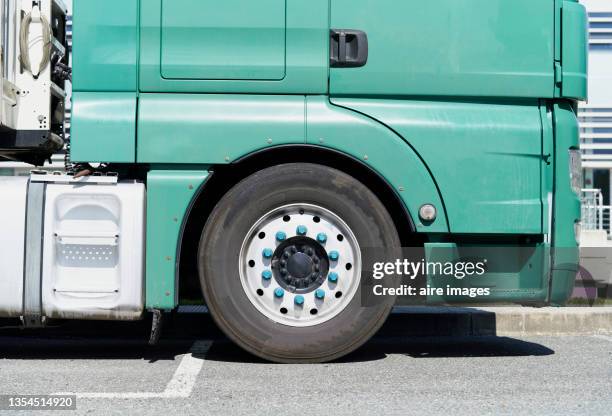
181, 135
383, 150
170, 194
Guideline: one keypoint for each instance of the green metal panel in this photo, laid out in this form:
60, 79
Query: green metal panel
200, 128
306, 40
514, 273
382, 149
449, 48
486, 158
103, 127
232, 39
219, 129
574, 44
566, 205
169, 195
105, 45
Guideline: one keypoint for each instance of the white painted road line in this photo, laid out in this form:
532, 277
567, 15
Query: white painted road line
184, 378
180, 385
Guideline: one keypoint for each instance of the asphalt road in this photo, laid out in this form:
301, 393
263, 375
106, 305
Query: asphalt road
195, 370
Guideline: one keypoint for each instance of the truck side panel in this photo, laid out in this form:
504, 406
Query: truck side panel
170, 194
220, 129
211, 128
170, 31
566, 205
383, 150
484, 48
485, 157
105, 81
235, 39
574, 43
105, 46
103, 127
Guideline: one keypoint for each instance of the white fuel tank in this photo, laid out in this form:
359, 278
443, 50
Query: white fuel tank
93, 245
13, 193
92, 248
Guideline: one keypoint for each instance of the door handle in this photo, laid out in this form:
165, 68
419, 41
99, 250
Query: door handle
348, 48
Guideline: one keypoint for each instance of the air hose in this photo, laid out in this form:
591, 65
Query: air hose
24, 43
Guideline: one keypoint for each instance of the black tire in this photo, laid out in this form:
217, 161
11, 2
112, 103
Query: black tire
223, 236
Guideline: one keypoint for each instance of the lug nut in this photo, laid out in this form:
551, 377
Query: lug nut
309, 251
301, 230
321, 238
266, 275
281, 236
332, 277
267, 253
283, 272
299, 300
319, 293
279, 292
334, 255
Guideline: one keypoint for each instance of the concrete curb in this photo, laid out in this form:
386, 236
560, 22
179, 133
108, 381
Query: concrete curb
553, 321
509, 321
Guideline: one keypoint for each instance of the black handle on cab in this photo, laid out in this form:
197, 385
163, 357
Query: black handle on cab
348, 48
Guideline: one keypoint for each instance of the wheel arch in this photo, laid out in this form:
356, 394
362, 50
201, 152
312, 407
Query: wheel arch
224, 177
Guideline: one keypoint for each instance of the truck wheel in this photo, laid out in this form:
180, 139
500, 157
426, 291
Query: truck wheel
280, 263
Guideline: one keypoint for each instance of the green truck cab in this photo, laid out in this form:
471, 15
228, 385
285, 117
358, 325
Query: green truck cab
278, 139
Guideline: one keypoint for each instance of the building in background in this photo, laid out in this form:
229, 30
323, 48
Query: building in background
596, 143
596, 120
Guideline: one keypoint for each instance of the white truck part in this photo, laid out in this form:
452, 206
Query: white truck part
34, 56
84, 260
12, 244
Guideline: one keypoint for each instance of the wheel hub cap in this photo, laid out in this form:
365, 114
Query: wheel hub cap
300, 265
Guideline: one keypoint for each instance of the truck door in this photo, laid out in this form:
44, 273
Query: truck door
263, 46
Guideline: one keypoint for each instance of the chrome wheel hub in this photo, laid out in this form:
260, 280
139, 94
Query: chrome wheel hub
300, 265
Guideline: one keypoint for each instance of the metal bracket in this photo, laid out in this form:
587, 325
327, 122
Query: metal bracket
156, 327
32, 276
